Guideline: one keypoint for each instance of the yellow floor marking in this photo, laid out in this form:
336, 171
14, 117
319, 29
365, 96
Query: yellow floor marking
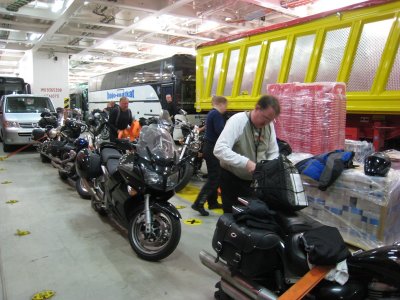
47, 294
22, 232
11, 201
6, 182
190, 193
192, 222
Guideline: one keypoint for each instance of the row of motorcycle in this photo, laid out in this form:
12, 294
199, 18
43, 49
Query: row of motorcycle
129, 181
133, 182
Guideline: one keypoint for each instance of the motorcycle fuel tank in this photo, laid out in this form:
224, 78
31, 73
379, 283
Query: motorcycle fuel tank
382, 263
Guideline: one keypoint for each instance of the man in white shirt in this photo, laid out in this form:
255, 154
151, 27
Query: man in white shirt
248, 137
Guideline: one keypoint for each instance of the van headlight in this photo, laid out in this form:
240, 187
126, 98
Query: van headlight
11, 124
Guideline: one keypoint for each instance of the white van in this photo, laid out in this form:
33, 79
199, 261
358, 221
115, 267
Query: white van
19, 114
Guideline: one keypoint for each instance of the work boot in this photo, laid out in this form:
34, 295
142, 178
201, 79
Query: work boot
200, 209
214, 206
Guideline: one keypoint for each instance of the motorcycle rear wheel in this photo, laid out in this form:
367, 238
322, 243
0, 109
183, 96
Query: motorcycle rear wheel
44, 158
161, 242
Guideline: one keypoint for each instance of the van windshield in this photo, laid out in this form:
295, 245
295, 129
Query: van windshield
28, 104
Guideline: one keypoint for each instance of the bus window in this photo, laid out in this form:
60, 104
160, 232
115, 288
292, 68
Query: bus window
231, 72
301, 58
108, 81
250, 67
11, 85
122, 79
188, 95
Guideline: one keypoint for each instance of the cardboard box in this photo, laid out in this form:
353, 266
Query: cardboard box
365, 209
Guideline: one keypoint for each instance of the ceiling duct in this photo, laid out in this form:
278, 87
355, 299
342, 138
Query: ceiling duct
17, 5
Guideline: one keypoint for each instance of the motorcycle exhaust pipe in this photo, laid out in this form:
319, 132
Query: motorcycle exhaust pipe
71, 157
90, 189
245, 287
232, 292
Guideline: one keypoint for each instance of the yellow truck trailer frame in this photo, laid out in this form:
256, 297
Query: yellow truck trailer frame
358, 45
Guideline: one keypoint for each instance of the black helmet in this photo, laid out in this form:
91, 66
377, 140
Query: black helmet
88, 164
377, 164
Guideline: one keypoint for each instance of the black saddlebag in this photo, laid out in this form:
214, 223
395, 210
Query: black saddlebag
248, 251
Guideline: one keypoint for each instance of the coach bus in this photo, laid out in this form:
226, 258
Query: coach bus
357, 45
13, 85
146, 85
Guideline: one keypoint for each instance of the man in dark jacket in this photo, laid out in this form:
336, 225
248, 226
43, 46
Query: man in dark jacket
171, 106
120, 118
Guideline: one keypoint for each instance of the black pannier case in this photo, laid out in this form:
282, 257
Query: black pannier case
248, 251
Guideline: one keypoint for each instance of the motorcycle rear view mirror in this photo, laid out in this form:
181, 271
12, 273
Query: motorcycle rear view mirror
183, 112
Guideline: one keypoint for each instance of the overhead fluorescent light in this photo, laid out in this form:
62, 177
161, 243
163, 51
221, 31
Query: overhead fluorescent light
35, 36
57, 6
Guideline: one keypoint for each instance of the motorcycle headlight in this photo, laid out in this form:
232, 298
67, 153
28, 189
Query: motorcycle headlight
11, 124
158, 181
152, 178
173, 179
52, 133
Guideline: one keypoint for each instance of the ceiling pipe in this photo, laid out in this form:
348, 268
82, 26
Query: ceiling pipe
17, 5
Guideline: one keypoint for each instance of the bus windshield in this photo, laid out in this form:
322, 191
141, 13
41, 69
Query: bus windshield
28, 104
11, 85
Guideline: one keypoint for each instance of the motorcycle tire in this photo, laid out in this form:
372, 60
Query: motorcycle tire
187, 175
219, 294
63, 175
105, 133
162, 242
97, 207
81, 189
44, 158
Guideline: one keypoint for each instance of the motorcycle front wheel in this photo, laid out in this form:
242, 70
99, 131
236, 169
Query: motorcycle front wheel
187, 175
80, 188
164, 236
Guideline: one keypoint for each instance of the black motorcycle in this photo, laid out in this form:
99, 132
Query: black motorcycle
135, 189
282, 261
60, 147
97, 122
190, 151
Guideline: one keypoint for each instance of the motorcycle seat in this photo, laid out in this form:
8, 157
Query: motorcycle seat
68, 147
295, 222
112, 165
110, 153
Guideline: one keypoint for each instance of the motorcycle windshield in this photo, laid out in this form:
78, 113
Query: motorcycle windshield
156, 141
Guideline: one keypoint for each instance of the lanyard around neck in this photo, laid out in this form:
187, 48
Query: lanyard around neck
258, 140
